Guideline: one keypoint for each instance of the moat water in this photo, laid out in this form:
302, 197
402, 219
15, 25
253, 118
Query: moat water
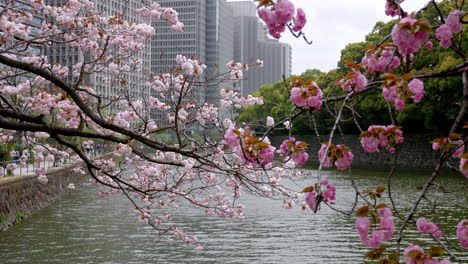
81, 228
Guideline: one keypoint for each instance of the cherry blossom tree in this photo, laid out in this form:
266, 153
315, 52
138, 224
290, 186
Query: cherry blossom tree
41, 97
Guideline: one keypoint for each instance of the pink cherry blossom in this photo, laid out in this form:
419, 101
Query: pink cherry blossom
363, 224
300, 20
354, 81
464, 167
267, 155
11, 166
408, 258
42, 179
279, 15
427, 227
385, 212
345, 162
370, 144
409, 36
310, 200
50, 158
453, 21
387, 228
444, 34
300, 158
307, 96
462, 233
429, 45
391, 9
376, 240
397, 90
381, 136
417, 88
460, 148
296, 150
323, 157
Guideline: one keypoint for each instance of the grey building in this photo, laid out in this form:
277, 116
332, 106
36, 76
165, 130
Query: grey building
103, 82
219, 46
192, 42
251, 42
207, 37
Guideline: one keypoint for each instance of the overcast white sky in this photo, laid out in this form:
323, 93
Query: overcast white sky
332, 24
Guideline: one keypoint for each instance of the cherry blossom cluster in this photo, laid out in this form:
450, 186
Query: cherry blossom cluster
324, 191
207, 113
463, 167
380, 235
190, 66
6, 135
237, 69
398, 90
381, 136
14, 24
452, 25
152, 177
428, 227
410, 33
249, 148
296, 150
353, 81
278, 15
391, 9
155, 11
415, 254
453, 143
381, 58
339, 155
230, 98
462, 233
11, 166
305, 95
38, 152
449, 144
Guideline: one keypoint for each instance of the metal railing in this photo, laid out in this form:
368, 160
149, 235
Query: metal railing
29, 166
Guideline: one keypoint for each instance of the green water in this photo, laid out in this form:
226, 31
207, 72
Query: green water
81, 228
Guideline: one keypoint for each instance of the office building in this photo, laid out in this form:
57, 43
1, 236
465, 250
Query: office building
251, 42
103, 83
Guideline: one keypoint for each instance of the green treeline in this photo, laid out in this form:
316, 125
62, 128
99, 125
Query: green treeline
433, 114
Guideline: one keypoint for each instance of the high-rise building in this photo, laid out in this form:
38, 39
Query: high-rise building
192, 42
251, 42
207, 37
219, 46
102, 81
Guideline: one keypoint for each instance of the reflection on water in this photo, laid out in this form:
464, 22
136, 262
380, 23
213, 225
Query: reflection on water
84, 229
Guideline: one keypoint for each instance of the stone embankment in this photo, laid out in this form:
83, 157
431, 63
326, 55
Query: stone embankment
22, 196
415, 152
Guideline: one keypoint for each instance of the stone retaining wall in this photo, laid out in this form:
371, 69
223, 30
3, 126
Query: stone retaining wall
415, 152
22, 196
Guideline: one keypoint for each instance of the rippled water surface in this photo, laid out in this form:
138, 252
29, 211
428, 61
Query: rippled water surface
81, 228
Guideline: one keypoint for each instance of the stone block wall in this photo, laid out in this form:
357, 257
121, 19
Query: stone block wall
24, 195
